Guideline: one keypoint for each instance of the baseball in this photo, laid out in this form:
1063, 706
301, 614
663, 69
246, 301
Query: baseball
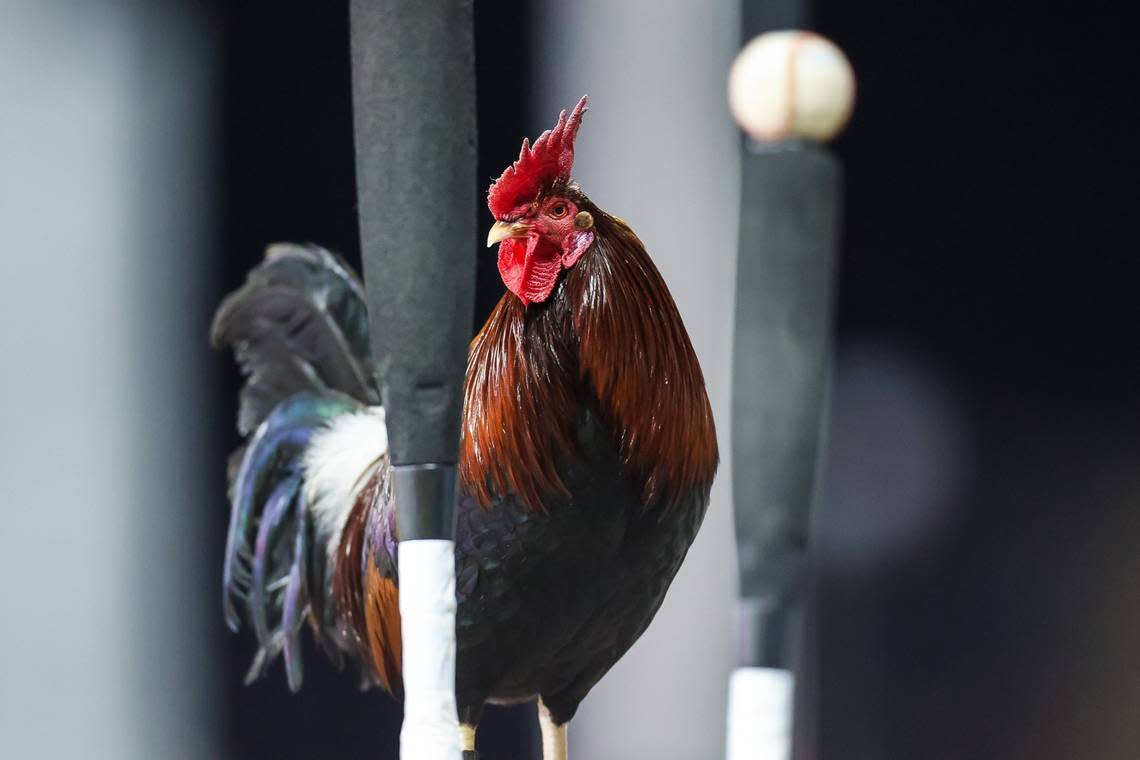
791, 84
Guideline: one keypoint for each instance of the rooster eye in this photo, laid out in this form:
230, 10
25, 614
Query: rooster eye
558, 210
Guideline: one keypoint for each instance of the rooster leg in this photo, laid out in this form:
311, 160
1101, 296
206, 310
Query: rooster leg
467, 741
553, 735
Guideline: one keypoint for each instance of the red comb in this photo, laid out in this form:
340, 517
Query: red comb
549, 160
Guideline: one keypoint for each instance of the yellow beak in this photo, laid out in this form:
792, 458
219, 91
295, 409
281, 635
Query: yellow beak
500, 231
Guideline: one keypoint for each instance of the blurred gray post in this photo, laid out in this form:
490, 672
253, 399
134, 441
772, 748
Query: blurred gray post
789, 236
789, 226
109, 644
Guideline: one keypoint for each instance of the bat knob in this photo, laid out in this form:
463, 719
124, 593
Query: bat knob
470, 754
791, 84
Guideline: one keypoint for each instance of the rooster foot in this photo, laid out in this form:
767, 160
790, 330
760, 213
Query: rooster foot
553, 734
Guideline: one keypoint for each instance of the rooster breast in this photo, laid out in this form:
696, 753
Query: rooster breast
549, 601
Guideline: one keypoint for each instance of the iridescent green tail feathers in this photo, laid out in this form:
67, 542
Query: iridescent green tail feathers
299, 331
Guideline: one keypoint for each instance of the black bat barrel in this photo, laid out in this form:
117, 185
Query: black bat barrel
789, 228
414, 107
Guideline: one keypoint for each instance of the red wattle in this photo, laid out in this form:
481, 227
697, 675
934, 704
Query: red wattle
529, 267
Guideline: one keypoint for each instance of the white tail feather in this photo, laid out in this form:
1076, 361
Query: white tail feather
337, 462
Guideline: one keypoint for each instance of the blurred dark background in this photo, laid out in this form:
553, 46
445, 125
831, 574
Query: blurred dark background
976, 534
990, 241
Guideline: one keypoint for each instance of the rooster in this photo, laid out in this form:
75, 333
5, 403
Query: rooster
588, 451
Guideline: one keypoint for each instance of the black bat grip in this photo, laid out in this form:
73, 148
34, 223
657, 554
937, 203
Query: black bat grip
413, 80
789, 227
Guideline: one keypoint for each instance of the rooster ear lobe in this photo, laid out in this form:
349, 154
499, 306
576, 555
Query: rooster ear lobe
575, 244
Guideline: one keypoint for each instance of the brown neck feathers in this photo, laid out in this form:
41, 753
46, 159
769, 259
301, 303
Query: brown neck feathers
612, 331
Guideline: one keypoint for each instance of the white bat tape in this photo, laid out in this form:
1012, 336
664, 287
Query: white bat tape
760, 702
427, 610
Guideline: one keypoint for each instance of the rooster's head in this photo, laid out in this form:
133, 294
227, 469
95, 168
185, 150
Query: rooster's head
541, 226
